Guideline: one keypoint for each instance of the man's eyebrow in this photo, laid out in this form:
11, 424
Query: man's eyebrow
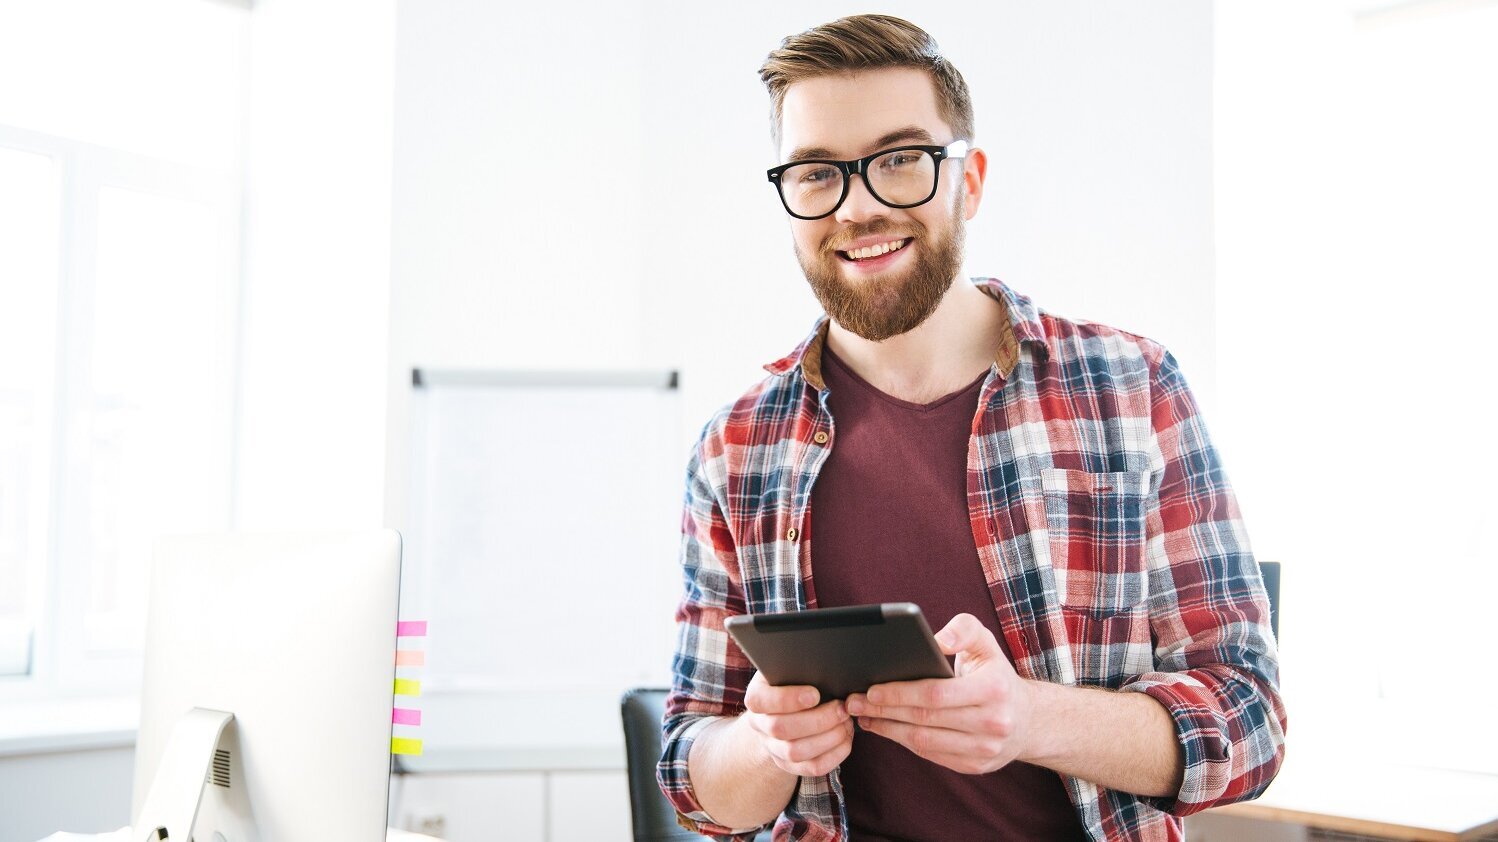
806, 153
900, 135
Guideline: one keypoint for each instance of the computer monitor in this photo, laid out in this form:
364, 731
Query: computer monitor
295, 636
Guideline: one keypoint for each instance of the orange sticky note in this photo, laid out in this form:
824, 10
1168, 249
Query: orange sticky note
410, 658
407, 687
404, 745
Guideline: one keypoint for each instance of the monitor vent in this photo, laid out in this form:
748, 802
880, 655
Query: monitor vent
220, 774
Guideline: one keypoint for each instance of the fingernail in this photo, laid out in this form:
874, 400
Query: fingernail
808, 697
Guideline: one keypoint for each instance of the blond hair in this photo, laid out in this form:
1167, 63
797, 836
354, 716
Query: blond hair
866, 42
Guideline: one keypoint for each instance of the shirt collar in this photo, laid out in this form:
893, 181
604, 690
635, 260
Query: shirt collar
1022, 326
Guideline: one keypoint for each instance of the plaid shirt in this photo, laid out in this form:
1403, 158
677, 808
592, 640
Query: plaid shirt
1108, 535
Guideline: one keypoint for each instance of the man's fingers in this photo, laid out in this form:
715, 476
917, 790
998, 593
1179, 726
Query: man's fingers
806, 749
827, 761
795, 726
964, 633
931, 693
972, 719
924, 741
761, 697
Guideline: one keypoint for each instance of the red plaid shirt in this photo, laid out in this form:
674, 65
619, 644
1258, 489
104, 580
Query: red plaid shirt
1109, 538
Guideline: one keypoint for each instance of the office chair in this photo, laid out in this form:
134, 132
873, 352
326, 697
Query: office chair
654, 819
1270, 571
642, 709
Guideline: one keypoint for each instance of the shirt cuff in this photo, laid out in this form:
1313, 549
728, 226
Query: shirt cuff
1202, 731
684, 795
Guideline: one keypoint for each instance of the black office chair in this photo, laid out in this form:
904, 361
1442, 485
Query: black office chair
1270, 570
642, 709
654, 819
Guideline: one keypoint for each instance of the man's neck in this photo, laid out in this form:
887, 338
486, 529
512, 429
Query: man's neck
941, 355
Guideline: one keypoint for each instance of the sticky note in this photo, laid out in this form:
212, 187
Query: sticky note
404, 745
411, 628
406, 716
407, 687
410, 658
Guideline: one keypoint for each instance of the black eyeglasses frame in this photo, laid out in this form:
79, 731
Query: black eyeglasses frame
957, 149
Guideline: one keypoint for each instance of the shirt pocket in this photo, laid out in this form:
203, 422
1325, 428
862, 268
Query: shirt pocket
1096, 524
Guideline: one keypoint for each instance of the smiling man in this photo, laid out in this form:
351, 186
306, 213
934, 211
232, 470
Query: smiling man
1043, 488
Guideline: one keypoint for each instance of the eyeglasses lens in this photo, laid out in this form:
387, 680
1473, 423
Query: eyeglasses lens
902, 177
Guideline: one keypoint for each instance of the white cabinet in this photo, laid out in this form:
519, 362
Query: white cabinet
589, 807
532, 806
471, 807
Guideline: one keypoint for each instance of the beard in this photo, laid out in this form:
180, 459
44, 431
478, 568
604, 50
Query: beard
890, 303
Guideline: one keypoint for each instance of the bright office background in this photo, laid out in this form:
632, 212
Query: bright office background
229, 229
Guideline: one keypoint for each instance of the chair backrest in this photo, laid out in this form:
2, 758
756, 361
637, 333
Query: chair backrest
654, 819
1270, 571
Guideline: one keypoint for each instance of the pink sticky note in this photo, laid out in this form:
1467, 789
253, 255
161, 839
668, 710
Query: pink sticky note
406, 716
411, 628
410, 658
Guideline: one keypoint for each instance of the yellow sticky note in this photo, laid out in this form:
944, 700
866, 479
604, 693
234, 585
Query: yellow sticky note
407, 687
404, 745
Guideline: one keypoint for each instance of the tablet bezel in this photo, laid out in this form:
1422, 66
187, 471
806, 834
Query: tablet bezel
841, 650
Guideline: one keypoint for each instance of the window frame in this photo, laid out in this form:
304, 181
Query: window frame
61, 663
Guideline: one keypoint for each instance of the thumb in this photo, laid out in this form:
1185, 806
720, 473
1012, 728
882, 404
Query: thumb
966, 635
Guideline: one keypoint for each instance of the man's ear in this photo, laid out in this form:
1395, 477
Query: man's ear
974, 171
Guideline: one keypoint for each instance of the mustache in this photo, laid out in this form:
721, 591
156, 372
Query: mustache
843, 237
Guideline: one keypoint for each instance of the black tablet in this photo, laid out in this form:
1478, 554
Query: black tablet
841, 651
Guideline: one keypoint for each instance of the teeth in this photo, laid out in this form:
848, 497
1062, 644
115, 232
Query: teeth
875, 250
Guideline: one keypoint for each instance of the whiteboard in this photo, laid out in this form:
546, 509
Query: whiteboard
544, 525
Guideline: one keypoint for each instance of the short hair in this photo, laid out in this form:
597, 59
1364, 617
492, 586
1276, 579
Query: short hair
866, 42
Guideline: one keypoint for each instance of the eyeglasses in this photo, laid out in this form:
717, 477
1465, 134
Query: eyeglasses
903, 177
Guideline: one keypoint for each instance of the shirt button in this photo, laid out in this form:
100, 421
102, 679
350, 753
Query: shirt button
790, 534
820, 437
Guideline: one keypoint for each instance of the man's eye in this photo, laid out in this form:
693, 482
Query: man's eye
818, 176
901, 160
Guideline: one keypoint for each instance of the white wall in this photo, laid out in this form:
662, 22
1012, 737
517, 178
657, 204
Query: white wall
317, 278
580, 185
82, 791
1097, 120
536, 224
510, 161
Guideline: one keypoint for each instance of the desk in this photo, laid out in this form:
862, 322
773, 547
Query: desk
1377, 799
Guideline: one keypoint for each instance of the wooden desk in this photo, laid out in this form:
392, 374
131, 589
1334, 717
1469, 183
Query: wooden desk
1378, 799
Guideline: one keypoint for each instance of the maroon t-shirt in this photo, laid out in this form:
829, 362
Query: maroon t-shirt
890, 524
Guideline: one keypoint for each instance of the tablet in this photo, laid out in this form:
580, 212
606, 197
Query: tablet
841, 651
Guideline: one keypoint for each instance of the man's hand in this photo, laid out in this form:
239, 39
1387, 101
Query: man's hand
801, 736
974, 723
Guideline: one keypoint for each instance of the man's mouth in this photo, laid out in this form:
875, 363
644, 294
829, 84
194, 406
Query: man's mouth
875, 250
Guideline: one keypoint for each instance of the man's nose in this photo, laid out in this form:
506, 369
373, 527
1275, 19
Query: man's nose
860, 204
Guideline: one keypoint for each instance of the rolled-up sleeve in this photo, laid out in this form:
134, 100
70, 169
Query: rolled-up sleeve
710, 672
1216, 665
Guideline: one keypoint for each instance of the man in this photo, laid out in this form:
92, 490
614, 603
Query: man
1043, 488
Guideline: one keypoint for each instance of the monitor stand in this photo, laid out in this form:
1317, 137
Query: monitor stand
171, 805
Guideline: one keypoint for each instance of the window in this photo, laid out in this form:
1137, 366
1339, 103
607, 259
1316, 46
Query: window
118, 393
120, 169
29, 218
